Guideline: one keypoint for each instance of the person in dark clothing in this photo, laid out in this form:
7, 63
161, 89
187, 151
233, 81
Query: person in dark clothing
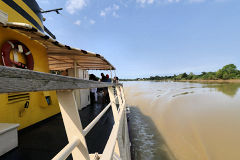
105, 97
103, 79
105, 90
93, 91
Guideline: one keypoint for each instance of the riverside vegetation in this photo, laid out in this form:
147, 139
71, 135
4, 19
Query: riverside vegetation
228, 72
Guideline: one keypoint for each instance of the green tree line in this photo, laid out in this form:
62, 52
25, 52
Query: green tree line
229, 71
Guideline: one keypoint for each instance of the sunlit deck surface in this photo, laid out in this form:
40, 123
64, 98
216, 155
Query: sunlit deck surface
45, 139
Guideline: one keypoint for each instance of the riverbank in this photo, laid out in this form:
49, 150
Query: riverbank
197, 80
212, 81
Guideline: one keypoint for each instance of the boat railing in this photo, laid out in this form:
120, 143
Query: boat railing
118, 145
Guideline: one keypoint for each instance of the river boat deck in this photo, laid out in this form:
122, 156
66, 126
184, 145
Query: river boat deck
46, 138
63, 134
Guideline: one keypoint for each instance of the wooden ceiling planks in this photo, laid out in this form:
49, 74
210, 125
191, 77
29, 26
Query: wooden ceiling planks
61, 56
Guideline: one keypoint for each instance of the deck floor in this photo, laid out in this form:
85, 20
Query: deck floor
45, 139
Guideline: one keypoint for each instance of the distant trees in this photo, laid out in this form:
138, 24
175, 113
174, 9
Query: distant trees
229, 71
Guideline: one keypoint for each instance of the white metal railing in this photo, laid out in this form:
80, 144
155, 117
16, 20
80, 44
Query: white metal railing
67, 150
108, 152
109, 148
93, 123
117, 146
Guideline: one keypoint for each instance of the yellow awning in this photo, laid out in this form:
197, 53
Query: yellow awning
61, 56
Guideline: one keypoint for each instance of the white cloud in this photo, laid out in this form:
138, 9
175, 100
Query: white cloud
115, 7
103, 13
111, 10
91, 21
77, 22
172, 1
149, 2
73, 6
145, 1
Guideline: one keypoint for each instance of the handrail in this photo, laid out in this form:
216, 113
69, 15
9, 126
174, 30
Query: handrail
23, 80
20, 80
109, 148
93, 123
67, 150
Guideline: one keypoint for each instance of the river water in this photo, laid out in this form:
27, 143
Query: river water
184, 121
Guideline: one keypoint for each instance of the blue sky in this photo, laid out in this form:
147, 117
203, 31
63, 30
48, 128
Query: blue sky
151, 37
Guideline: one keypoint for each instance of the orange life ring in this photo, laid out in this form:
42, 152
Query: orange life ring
16, 46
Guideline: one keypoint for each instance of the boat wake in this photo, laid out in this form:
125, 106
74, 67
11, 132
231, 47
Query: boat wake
147, 143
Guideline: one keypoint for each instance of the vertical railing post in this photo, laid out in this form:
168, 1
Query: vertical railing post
115, 116
114, 106
121, 137
124, 130
127, 140
122, 94
72, 123
119, 96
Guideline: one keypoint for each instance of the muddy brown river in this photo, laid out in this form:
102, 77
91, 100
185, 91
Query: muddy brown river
184, 121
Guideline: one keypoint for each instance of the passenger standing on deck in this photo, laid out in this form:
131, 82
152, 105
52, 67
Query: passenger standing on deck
103, 79
100, 90
93, 91
105, 90
115, 80
108, 79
